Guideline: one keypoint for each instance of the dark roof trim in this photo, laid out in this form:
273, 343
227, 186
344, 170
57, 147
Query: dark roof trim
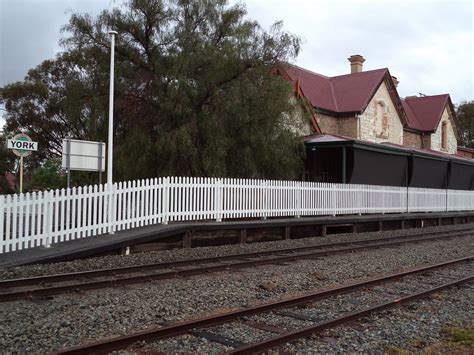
416, 130
335, 114
466, 149
463, 162
380, 148
359, 145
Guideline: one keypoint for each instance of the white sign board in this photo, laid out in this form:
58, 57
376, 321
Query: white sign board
22, 145
83, 155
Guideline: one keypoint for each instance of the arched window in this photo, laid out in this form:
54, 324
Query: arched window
444, 135
381, 116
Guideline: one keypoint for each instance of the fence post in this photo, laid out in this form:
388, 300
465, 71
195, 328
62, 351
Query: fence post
110, 207
166, 202
3, 212
384, 193
265, 199
299, 198
408, 198
218, 199
333, 198
114, 208
48, 219
447, 195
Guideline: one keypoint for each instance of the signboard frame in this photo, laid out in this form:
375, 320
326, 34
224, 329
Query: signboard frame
83, 155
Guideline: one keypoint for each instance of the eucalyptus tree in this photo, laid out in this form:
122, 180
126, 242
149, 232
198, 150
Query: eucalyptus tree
195, 91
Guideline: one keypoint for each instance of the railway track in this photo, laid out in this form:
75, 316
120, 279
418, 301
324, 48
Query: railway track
315, 311
49, 285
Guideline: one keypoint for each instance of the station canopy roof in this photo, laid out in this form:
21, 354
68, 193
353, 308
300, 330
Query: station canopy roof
333, 140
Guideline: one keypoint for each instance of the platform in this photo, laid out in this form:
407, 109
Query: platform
240, 231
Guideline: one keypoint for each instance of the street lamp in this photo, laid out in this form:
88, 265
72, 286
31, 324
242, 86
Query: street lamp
110, 141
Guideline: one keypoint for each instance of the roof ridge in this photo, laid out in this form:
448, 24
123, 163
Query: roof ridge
425, 97
333, 95
359, 73
309, 71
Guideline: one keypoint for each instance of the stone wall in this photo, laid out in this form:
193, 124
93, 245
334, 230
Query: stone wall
426, 141
436, 138
412, 140
380, 121
328, 124
348, 126
297, 121
345, 126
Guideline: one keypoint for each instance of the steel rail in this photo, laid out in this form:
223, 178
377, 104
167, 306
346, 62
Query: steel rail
344, 319
122, 342
55, 290
154, 266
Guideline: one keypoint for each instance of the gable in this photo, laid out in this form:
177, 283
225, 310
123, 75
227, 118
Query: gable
437, 136
381, 121
425, 113
353, 91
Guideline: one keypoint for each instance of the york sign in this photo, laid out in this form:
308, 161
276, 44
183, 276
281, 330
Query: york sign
22, 145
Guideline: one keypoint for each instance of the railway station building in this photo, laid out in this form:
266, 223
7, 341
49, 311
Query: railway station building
363, 132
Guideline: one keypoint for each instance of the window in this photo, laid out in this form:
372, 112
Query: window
381, 119
444, 135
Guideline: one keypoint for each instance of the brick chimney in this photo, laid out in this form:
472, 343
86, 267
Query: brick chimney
356, 63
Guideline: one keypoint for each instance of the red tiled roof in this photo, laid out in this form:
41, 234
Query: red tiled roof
317, 88
343, 93
466, 149
352, 93
424, 113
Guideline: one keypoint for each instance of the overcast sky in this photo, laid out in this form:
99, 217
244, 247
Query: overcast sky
427, 44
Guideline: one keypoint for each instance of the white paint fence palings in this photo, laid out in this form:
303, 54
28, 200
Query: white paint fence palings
46, 217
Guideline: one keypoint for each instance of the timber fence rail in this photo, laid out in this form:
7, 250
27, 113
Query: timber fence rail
46, 217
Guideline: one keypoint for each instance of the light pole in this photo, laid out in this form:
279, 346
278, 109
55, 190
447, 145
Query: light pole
110, 140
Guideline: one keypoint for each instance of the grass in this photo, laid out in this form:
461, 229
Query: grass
461, 336
454, 341
396, 351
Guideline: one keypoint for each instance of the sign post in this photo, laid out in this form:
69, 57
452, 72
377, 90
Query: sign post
22, 146
68, 160
21, 173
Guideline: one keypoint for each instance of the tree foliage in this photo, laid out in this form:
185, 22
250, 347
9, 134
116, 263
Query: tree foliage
465, 116
194, 93
7, 165
48, 176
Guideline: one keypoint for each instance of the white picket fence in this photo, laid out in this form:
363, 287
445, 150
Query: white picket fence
41, 218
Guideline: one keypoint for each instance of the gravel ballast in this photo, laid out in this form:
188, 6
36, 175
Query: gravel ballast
111, 261
410, 328
72, 319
